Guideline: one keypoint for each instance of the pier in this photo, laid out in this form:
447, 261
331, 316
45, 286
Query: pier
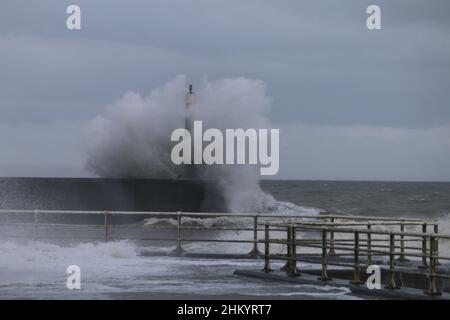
326, 249
84, 194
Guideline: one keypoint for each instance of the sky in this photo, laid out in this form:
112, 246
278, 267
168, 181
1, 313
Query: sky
351, 103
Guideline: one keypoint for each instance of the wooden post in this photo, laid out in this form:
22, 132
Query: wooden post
255, 252
432, 289
293, 271
357, 270
287, 265
436, 231
332, 251
402, 257
391, 284
369, 245
324, 275
424, 247
266, 249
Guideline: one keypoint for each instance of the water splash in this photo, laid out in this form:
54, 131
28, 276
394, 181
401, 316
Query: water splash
132, 138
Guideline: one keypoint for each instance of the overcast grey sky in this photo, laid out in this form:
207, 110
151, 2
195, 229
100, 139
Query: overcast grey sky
351, 103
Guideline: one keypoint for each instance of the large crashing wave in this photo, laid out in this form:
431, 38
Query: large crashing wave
132, 138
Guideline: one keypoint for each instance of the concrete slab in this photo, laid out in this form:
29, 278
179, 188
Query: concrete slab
359, 290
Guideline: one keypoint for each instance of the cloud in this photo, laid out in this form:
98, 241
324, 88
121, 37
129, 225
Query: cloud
324, 72
364, 152
320, 62
306, 152
55, 149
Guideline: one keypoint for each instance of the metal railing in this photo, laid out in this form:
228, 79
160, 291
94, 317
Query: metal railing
328, 235
251, 225
387, 244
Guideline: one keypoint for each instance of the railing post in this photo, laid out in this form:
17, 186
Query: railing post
324, 275
424, 247
432, 290
266, 249
255, 251
36, 224
293, 271
402, 257
369, 245
391, 283
287, 266
106, 225
179, 248
436, 231
357, 271
332, 251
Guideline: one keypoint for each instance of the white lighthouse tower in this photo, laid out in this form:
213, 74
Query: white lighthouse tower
190, 100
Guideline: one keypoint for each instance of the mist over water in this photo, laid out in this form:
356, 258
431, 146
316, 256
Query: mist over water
132, 138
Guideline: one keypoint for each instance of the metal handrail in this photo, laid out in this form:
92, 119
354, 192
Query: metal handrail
319, 220
214, 214
358, 248
325, 224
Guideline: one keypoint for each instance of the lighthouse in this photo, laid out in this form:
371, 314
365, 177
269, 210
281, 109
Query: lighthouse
190, 100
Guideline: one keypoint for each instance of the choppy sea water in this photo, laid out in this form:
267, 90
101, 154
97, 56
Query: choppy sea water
121, 269
427, 200
117, 270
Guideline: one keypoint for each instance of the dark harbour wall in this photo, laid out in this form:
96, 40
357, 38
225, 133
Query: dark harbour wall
109, 194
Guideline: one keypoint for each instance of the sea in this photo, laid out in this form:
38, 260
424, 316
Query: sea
425, 200
126, 269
